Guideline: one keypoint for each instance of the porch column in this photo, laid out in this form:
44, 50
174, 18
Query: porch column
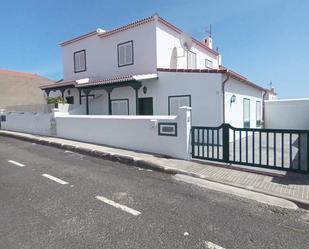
109, 90
47, 91
80, 96
62, 93
87, 91
136, 101
136, 86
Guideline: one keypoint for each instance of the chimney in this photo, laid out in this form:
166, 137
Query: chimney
208, 42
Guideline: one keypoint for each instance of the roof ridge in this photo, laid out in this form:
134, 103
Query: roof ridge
77, 38
137, 23
124, 27
197, 42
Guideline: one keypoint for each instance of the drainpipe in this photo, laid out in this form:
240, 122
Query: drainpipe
263, 108
223, 93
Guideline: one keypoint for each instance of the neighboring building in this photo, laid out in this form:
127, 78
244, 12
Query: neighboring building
150, 67
20, 89
287, 114
271, 94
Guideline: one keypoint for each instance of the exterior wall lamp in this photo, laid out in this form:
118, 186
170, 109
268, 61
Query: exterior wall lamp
145, 89
233, 99
69, 92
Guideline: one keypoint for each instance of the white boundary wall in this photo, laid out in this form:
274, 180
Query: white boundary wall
38, 123
139, 133
287, 114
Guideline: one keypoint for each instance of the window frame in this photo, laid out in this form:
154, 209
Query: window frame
247, 124
258, 119
188, 60
177, 96
132, 52
160, 133
212, 63
85, 61
115, 100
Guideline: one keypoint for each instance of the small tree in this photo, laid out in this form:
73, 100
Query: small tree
56, 100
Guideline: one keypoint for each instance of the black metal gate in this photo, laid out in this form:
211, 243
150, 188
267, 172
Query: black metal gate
267, 148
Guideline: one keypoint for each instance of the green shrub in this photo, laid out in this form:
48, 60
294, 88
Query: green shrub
56, 100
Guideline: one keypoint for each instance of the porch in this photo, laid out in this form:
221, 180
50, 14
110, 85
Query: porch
97, 94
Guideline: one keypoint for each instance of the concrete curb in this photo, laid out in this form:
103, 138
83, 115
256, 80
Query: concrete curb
142, 163
243, 193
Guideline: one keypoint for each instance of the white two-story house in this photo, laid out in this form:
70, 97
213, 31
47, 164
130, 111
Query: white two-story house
151, 67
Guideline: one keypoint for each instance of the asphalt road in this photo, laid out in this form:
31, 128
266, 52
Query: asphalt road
51, 198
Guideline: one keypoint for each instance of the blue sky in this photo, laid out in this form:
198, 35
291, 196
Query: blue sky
265, 40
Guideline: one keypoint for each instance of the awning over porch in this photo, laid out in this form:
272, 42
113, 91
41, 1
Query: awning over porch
87, 85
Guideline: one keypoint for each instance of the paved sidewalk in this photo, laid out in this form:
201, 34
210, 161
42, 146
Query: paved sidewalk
291, 186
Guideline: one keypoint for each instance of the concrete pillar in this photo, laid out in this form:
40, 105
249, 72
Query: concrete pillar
53, 122
184, 117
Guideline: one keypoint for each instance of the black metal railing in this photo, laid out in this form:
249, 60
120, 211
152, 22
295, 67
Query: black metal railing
268, 148
207, 143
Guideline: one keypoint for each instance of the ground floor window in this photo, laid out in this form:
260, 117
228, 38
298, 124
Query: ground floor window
258, 113
175, 102
246, 113
120, 106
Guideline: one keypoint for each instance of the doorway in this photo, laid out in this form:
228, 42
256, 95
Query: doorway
145, 106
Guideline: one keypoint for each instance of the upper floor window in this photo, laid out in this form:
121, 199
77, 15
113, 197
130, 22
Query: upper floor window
80, 61
125, 54
209, 64
191, 60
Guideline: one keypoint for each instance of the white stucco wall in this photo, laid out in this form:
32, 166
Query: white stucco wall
154, 45
206, 97
28, 122
130, 132
287, 114
234, 111
102, 58
171, 55
203, 88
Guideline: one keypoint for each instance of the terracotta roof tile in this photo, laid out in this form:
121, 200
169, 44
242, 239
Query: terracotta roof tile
128, 26
73, 83
58, 84
79, 38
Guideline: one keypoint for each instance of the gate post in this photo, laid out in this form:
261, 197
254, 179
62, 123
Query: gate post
226, 142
